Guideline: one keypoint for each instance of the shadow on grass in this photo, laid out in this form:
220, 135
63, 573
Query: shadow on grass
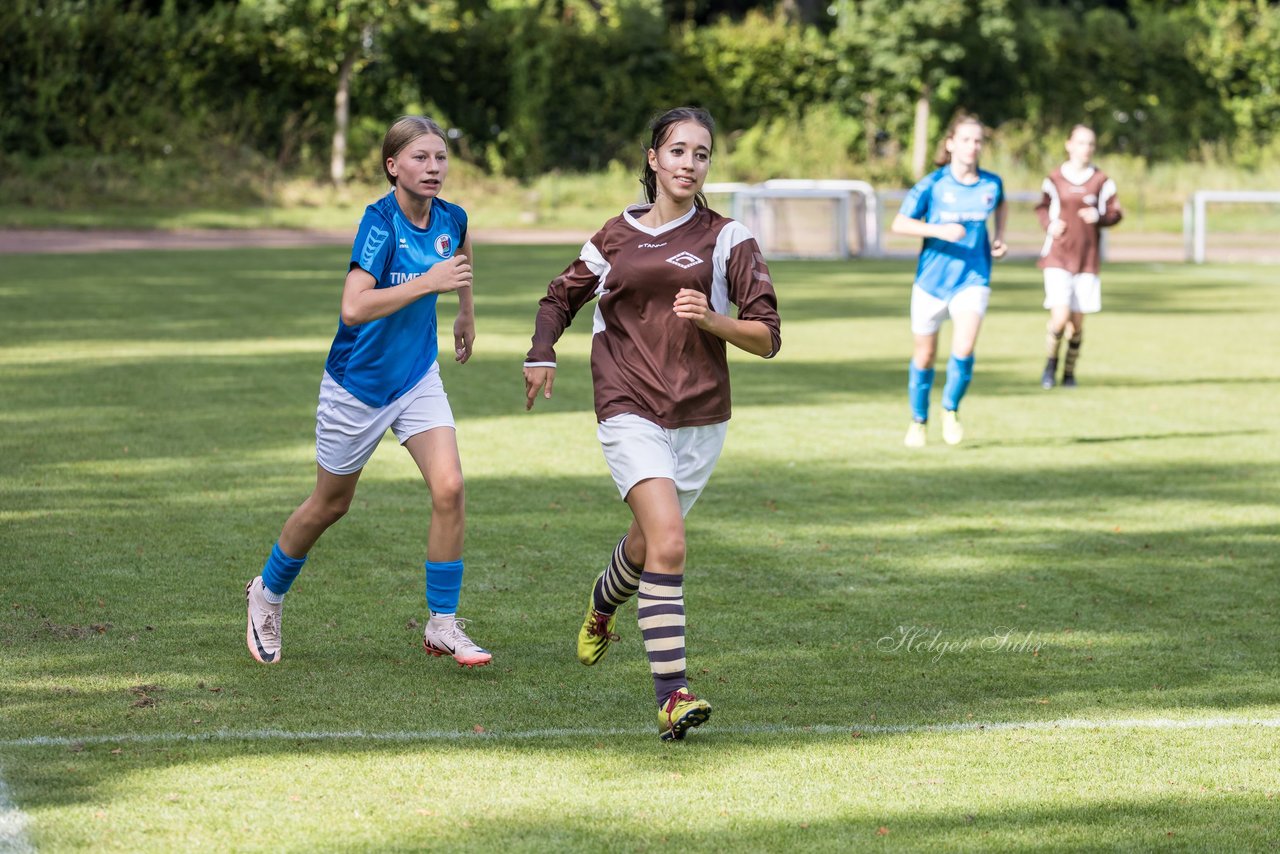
159, 405
795, 586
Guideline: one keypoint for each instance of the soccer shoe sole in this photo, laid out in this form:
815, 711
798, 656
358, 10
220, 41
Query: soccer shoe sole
696, 716
478, 661
251, 637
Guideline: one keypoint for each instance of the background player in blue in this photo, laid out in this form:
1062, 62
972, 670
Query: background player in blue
949, 209
382, 373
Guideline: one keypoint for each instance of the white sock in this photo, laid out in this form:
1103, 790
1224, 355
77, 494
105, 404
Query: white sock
272, 598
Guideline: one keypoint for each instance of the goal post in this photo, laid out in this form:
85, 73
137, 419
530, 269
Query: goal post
1195, 219
800, 218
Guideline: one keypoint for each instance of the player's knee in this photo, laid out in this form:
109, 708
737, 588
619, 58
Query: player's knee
327, 511
666, 549
448, 493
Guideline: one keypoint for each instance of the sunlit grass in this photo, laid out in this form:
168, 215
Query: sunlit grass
1104, 555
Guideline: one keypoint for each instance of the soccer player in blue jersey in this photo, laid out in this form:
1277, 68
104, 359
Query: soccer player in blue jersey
381, 373
949, 209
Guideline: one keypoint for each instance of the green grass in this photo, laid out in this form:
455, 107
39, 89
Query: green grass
157, 430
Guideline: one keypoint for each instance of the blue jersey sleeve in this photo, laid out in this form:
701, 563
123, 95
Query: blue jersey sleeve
461, 216
916, 204
373, 245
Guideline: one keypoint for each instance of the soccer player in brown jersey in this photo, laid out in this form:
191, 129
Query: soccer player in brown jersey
665, 274
1078, 202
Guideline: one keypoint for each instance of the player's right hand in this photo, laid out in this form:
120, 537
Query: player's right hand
952, 232
450, 274
535, 380
1057, 228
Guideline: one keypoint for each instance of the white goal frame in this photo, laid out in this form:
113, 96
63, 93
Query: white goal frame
1195, 218
856, 206
859, 218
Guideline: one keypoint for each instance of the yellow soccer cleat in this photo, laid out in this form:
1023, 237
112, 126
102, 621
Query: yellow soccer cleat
680, 713
915, 435
952, 429
595, 635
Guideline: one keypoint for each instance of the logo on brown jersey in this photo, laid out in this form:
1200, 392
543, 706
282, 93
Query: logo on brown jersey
684, 260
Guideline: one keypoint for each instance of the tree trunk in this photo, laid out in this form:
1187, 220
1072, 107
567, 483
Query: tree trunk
342, 118
920, 135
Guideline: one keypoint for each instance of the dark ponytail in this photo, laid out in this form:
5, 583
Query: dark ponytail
661, 128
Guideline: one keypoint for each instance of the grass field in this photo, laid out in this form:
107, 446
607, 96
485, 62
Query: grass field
1061, 635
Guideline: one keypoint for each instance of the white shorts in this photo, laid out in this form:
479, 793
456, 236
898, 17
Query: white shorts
1081, 291
348, 431
636, 449
928, 312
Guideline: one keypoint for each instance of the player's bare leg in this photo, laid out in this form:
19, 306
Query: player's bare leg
436, 454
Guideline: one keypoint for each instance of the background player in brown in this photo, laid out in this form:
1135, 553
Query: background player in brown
1078, 201
665, 274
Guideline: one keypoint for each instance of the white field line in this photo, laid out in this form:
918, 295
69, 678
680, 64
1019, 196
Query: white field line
600, 732
13, 825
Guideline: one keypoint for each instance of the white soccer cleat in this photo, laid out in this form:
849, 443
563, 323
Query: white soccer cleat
445, 636
952, 429
916, 437
263, 633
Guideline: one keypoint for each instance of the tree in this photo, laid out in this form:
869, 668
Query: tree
916, 53
335, 38
1238, 51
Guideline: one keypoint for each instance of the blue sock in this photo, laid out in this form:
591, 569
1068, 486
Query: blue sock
959, 373
444, 583
919, 384
280, 570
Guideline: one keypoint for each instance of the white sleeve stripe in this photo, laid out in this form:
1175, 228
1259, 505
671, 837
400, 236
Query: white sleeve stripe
1108, 193
730, 236
1055, 203
539, 364
595, 262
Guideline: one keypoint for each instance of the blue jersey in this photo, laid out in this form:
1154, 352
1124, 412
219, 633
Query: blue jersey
380, 360
946, 268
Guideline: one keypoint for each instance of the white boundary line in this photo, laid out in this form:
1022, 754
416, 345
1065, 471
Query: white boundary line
599, 732
13, 825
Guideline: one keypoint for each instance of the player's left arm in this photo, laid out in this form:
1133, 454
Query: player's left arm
757, 328
464, 326
998, 247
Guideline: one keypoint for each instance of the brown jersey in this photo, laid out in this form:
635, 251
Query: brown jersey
1076, 251
644, 359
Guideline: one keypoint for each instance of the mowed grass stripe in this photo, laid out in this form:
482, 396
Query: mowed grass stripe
571, 733
157, 430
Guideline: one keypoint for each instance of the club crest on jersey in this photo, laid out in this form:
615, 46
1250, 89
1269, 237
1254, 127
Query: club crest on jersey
684, 260
1090, 199
948, 198
444, 246
987, 199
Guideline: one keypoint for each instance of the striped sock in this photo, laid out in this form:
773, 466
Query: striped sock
1073, 353
660, 613
617, 583
1052, 344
